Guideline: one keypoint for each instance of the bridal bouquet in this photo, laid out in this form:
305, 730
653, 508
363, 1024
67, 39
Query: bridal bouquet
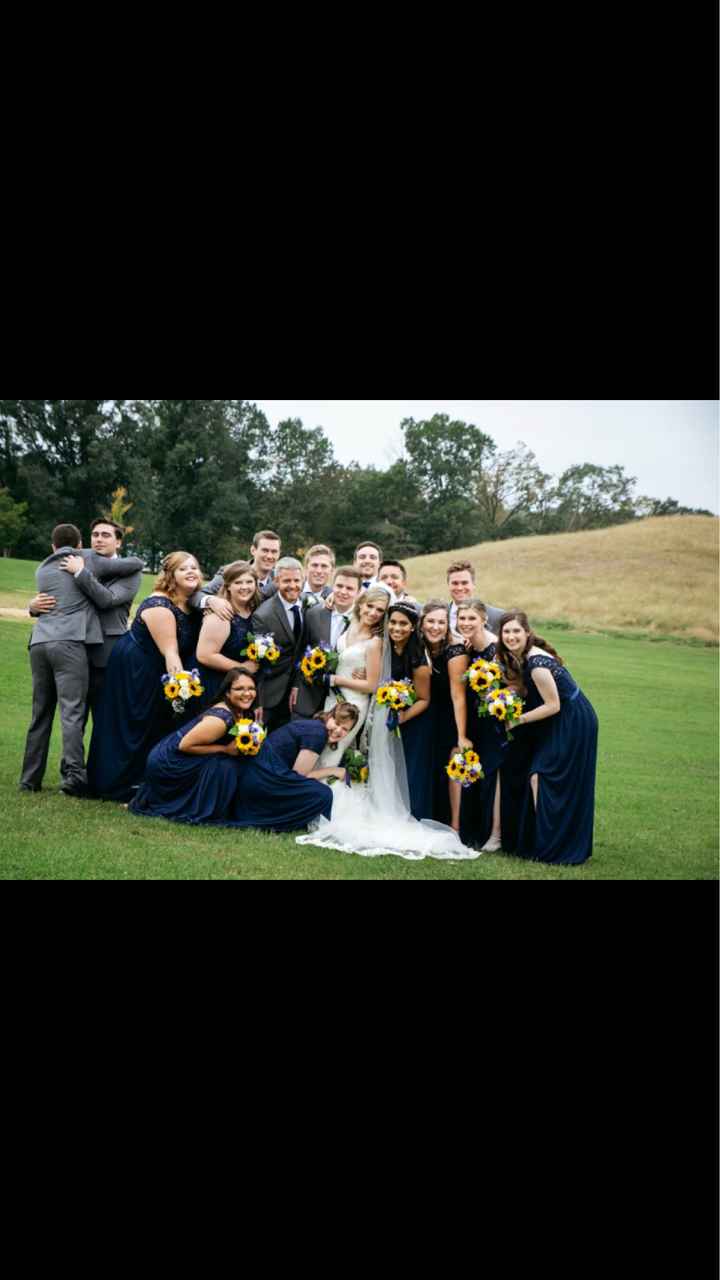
261, 649
180, 688
250, 736
465, 768
356, 764
398, 696
318, 663
483, 676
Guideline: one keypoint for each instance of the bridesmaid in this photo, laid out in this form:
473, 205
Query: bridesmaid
281, 788
193, 775
559, 813
222, 643
448, 707
409, 662
481, 812
133, 714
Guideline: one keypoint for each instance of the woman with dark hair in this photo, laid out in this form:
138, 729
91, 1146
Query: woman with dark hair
193, 775
282, 788
558, 813
409, 662
222, 644
448, 714
133, 714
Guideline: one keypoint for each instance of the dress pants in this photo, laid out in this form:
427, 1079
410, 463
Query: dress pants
60, 678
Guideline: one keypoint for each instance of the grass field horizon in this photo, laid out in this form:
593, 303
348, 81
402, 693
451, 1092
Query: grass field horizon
656, 578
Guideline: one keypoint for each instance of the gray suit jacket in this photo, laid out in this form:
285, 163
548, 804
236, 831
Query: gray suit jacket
271, 618
113, 600
74, 616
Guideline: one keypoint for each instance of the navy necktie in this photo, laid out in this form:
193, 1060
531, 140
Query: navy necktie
297, 622
366, 586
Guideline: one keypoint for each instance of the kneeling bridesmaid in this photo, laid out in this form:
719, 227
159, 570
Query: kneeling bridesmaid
282, 787
193, 775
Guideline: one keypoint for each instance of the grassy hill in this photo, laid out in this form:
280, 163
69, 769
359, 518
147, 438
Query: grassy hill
653, 577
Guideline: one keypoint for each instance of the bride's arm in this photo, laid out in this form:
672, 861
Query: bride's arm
372, 669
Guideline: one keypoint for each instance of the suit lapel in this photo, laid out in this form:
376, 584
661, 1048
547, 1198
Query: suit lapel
283, 619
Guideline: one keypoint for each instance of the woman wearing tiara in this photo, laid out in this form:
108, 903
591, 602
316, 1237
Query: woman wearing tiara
358, 673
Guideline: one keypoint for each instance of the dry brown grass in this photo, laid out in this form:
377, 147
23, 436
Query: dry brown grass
655, 576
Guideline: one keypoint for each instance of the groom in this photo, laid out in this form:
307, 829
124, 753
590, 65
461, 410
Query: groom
281, 617
323, 626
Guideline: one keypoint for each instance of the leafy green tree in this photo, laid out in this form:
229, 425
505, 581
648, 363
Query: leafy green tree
513, 494
12, 521
445, 461
591, 497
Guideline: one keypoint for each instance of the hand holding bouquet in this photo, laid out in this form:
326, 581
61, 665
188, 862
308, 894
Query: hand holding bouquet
318, 663
180, 688
397, 696
249, 736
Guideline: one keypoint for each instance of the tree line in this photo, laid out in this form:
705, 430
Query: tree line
205, 475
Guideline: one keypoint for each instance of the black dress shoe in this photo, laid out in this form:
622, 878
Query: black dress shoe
25, 786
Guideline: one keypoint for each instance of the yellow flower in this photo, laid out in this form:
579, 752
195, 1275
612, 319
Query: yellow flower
364, 774
252, 653
498, 710
172, 690
472, 758
306, 669
383, 696
196, 689
318, 660
273, 655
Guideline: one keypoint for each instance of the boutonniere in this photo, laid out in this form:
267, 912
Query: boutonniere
311, 601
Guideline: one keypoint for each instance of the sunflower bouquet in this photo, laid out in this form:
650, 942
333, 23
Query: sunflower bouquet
397, 696
506, 707
318, 663
261, 649
356, 764
249, 735
465, 768
180, 688
483, 677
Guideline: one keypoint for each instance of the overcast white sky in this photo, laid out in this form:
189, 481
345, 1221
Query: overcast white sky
670, 445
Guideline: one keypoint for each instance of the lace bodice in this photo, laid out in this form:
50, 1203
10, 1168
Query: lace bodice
566, 686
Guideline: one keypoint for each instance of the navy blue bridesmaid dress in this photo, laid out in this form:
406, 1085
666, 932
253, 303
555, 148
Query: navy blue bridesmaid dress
133, 714
490, 742
565, 758
417, 736
272, 797
212, 679
189, 788
444, 734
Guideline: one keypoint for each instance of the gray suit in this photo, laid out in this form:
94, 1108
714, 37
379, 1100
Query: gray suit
276, 681
113, 600
317, 631
59, 662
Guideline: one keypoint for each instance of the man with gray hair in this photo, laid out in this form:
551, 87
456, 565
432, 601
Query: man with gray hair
281, 616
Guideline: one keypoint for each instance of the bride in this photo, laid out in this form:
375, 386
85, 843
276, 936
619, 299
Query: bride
358, 673
375, 819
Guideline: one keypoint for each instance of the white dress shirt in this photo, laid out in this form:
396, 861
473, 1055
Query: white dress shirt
338, 626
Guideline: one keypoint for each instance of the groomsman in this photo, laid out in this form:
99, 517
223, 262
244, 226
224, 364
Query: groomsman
461, 582
393, 574
113, 597
319, 569
281, 617
368, 558
59, 664
264, 555
323, 626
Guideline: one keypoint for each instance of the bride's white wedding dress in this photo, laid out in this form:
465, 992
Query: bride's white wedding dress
353, 657
375, 820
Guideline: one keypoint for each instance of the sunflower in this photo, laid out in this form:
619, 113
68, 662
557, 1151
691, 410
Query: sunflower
252, 653
196, 689
272, 655
172, 690
318, 660
471, 757
364, 774
383, 696
498, 710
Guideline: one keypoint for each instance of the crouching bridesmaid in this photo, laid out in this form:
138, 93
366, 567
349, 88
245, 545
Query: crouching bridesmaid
194, 774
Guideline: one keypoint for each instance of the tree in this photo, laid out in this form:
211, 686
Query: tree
590, 497
12, 521
445, 462
513, 494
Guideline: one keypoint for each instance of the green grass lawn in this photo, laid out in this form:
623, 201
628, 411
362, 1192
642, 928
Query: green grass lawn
657, 798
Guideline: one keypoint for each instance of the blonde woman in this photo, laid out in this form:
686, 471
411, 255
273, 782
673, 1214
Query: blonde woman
133, 713
358, 673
